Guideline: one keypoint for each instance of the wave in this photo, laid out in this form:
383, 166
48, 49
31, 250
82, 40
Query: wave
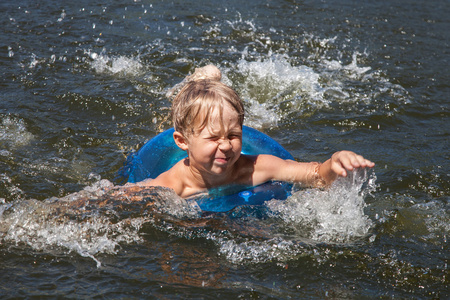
102, 216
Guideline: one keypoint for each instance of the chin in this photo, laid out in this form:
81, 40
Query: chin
219, 170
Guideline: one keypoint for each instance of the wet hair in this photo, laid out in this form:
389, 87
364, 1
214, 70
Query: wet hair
193, 106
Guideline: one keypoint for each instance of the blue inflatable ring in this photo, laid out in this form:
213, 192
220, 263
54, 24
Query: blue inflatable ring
161, 153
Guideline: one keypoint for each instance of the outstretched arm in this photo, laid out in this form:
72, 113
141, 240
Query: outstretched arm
268, 167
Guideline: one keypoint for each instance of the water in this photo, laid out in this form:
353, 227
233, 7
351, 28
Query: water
84, 83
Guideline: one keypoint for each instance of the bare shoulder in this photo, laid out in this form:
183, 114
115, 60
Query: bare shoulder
170, 179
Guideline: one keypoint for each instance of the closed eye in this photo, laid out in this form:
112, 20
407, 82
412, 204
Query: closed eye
235, 136
213, 138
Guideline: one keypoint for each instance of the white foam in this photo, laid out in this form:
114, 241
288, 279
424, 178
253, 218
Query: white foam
341, 77
274, 85
34, 224
292, 227
13, 190
260, 115
271, 81
332, 215
13, 132
120, 65
305, 219
274, 75
436, 219
10, 51
356, 72
255, 251
34, 61
75, 223
40, 224
337, 73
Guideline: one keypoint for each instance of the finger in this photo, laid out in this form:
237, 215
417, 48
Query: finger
349, 162
361, 162
339, 168
358, 161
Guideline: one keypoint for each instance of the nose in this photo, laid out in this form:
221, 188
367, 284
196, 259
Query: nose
225, 145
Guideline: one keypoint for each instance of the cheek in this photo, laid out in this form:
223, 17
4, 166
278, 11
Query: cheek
206, 147
237, 145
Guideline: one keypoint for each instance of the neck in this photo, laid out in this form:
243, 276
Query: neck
204, 180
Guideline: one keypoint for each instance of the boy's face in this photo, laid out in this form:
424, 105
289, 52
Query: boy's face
218, 146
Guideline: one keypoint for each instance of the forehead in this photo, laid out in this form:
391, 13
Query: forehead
217, 118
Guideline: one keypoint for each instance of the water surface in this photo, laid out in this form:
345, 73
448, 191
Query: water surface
84, 83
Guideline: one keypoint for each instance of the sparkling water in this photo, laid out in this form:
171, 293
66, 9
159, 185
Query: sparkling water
84, 84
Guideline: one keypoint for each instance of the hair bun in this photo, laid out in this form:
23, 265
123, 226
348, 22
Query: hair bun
209, 72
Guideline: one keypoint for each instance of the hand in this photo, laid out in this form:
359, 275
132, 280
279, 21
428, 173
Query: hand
344, 161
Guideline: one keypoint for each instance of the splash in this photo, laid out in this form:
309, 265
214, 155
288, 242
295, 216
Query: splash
253, 251
120, 65
34, 223
260, 115
13, 133
102, 216
335, 215
273, 87
274, 77
283, 230
95, 220
270, 83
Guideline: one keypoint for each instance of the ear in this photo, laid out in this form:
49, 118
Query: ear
180, 140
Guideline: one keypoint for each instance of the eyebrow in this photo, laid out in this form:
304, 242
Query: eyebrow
233, 130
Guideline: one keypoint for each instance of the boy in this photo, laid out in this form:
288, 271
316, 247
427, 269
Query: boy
208, 117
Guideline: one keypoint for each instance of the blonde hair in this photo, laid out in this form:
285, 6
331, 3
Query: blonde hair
193, 106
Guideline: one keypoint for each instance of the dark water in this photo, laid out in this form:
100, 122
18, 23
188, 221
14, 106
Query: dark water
83, 84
